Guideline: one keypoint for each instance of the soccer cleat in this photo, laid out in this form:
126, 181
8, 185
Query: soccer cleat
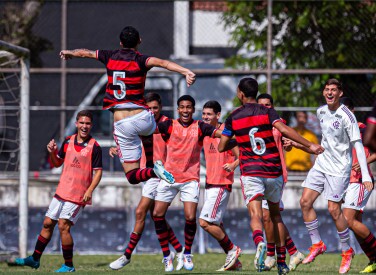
314, 251
236, 267
180, 259
260, 256
162, 173
232, 257
64, 268
347, 257
28, 261
270, 262
168, 262
188, 263
370, 268
295, 260
282, 269
172, 256
120, 263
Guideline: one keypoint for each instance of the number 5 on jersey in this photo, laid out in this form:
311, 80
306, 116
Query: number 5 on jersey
257, 143
119, 94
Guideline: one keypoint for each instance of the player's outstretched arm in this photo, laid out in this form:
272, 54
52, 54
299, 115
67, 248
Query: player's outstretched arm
190, 77
113, 152
290, 133
82, 53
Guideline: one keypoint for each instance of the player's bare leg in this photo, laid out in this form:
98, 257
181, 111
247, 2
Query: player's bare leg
218, 232
279, 236
309, 196
255, 212
67, 245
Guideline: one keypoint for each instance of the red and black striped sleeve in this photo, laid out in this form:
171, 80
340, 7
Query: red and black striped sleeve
165, 129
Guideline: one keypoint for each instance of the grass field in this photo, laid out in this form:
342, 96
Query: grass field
151, 264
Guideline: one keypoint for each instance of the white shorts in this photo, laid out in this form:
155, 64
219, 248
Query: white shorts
216, 200
332, 187
127, 134
149, 188
356, 196
268, 188
64, 210
189, 191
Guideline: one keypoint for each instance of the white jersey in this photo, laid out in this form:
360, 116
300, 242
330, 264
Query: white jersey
339, 128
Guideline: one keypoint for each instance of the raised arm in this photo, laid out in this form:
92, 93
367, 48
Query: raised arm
82, 53
290, 133
52, 150
190, 77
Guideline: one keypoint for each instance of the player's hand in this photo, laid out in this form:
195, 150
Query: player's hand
356, 167
66, 54
190, 78
368, 185
316, 148
113, 151
52, 146
287, 144
229, 167
87, 196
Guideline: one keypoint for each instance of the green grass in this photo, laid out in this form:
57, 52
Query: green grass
151, 264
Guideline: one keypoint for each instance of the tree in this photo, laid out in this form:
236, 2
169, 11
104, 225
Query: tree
307, 35
16, 23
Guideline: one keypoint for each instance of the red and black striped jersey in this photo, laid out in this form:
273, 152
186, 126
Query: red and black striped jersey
252, 125
126, 72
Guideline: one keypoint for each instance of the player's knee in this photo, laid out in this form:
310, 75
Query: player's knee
204, 224
266, 217
335, 212
140, 214
49, 225
304, 203
64, 225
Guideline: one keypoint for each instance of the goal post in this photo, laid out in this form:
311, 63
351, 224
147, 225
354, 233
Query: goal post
23, 56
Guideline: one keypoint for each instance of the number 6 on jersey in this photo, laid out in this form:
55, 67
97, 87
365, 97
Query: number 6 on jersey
256, 141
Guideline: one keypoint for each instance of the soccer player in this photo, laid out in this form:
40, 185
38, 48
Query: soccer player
149, 190
356, 198
184, 137
260, 164
124, 96
219, 179
370, 134
331, 172
296, 257
82, 157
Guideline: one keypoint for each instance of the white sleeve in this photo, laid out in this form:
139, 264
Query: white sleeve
361, 155
351, 125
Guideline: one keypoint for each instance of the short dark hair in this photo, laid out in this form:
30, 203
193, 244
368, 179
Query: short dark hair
213, 104
149, 97
187, 97
334, 81
304, 112
84, 113
348, 102
129, 37
249, 87
265, 96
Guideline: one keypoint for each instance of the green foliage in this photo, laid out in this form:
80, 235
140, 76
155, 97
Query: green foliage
306, 35
16, 26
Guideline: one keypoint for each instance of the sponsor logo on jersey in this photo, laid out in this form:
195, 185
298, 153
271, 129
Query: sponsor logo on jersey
212, 149
75, 163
